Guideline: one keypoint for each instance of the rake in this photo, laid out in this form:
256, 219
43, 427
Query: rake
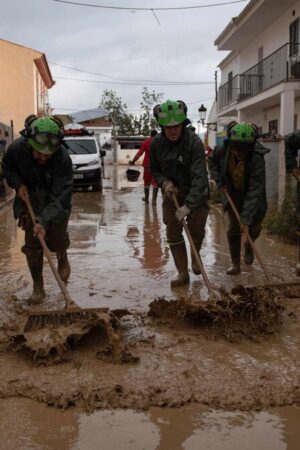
71, 312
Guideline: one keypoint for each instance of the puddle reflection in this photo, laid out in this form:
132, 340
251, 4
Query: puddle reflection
25, 425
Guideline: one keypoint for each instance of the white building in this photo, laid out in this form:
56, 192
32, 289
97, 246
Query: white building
260, 77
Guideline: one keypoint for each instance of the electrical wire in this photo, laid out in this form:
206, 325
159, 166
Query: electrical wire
148, 9
140, 83
119, 79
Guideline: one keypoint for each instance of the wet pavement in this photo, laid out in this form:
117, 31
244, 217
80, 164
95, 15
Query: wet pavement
120, 259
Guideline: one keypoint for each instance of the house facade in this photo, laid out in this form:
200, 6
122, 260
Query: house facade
25, 79
260, 77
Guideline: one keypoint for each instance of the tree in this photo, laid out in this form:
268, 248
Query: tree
129, 124
149, 100
115, 107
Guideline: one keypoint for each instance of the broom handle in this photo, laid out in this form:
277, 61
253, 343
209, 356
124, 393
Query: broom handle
253, 246
48, 256
193, 248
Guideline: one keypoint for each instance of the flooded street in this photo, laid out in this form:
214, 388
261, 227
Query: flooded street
191, 388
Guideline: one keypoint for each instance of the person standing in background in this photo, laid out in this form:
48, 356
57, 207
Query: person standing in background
148, 179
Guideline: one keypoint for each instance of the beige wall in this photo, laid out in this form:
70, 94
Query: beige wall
18, 73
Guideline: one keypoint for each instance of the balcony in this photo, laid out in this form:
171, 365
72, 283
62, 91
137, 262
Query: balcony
282, 65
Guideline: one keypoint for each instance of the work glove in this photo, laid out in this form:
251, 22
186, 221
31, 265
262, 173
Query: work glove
169, 188
244, 228
182, 212
38, 229
24, 222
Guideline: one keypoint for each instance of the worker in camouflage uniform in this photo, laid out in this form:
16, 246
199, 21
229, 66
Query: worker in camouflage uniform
292, 146
238, 167
177, 162
38, 167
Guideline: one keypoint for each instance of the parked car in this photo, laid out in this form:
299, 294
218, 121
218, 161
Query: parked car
86, 155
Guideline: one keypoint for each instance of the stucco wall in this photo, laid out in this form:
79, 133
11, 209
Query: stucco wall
276, 35
17, 83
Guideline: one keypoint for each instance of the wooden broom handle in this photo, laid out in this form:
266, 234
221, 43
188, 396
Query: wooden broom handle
193, 248
48, 256
253, 246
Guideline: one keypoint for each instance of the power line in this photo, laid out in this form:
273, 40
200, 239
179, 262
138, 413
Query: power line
148, 9
119, 79
140, 83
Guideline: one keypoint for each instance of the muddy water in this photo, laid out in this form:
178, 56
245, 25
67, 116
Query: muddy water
120, 259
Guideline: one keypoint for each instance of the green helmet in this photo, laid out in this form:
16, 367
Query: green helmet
170, 113
45, 135
242, 133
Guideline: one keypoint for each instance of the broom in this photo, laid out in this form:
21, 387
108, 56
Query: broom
255, 250
72, 312
213, 293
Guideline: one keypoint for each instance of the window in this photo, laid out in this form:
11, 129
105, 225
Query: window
294, 37
273, 126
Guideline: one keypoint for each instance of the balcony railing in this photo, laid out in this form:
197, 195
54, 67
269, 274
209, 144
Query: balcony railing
281, 65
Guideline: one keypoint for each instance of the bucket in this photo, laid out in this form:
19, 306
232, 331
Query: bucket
132, 174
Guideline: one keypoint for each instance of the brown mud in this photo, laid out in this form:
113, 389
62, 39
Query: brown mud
249, 312
120, 260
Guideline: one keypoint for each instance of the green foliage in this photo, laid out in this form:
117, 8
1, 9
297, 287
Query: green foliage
129, 124
283, 222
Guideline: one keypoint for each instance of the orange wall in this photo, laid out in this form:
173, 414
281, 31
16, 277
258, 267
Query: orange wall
17, 84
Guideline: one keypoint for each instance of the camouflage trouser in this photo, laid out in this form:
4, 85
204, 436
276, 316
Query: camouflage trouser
233, 227
196, 222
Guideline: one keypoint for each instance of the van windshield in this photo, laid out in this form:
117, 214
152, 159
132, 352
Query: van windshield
80, 147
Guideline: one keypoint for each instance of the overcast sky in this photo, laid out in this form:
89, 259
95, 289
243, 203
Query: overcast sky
122, 44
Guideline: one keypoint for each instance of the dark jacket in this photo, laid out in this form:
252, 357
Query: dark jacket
182, 162
49, 186
254, 193
292, 145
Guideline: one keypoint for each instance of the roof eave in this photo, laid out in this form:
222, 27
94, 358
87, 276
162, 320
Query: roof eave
44, 70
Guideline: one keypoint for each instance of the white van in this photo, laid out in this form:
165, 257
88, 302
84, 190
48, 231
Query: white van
86, 155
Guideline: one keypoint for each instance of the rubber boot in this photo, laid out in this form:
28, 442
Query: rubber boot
154, 195
63, 268
38, 293
146, 196
195, 267
234, 243
181, 262
35, 264
248, 255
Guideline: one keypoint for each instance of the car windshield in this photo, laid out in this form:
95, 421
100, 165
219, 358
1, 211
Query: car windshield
80, 147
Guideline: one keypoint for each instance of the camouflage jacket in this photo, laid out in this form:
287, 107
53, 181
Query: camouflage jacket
254, 191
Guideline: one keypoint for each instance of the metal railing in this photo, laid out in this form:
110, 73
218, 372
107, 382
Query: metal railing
281, 65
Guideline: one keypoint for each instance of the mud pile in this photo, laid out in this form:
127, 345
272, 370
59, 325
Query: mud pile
245, 312
53, 339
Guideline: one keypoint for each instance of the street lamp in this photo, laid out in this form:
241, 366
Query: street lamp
202, 113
